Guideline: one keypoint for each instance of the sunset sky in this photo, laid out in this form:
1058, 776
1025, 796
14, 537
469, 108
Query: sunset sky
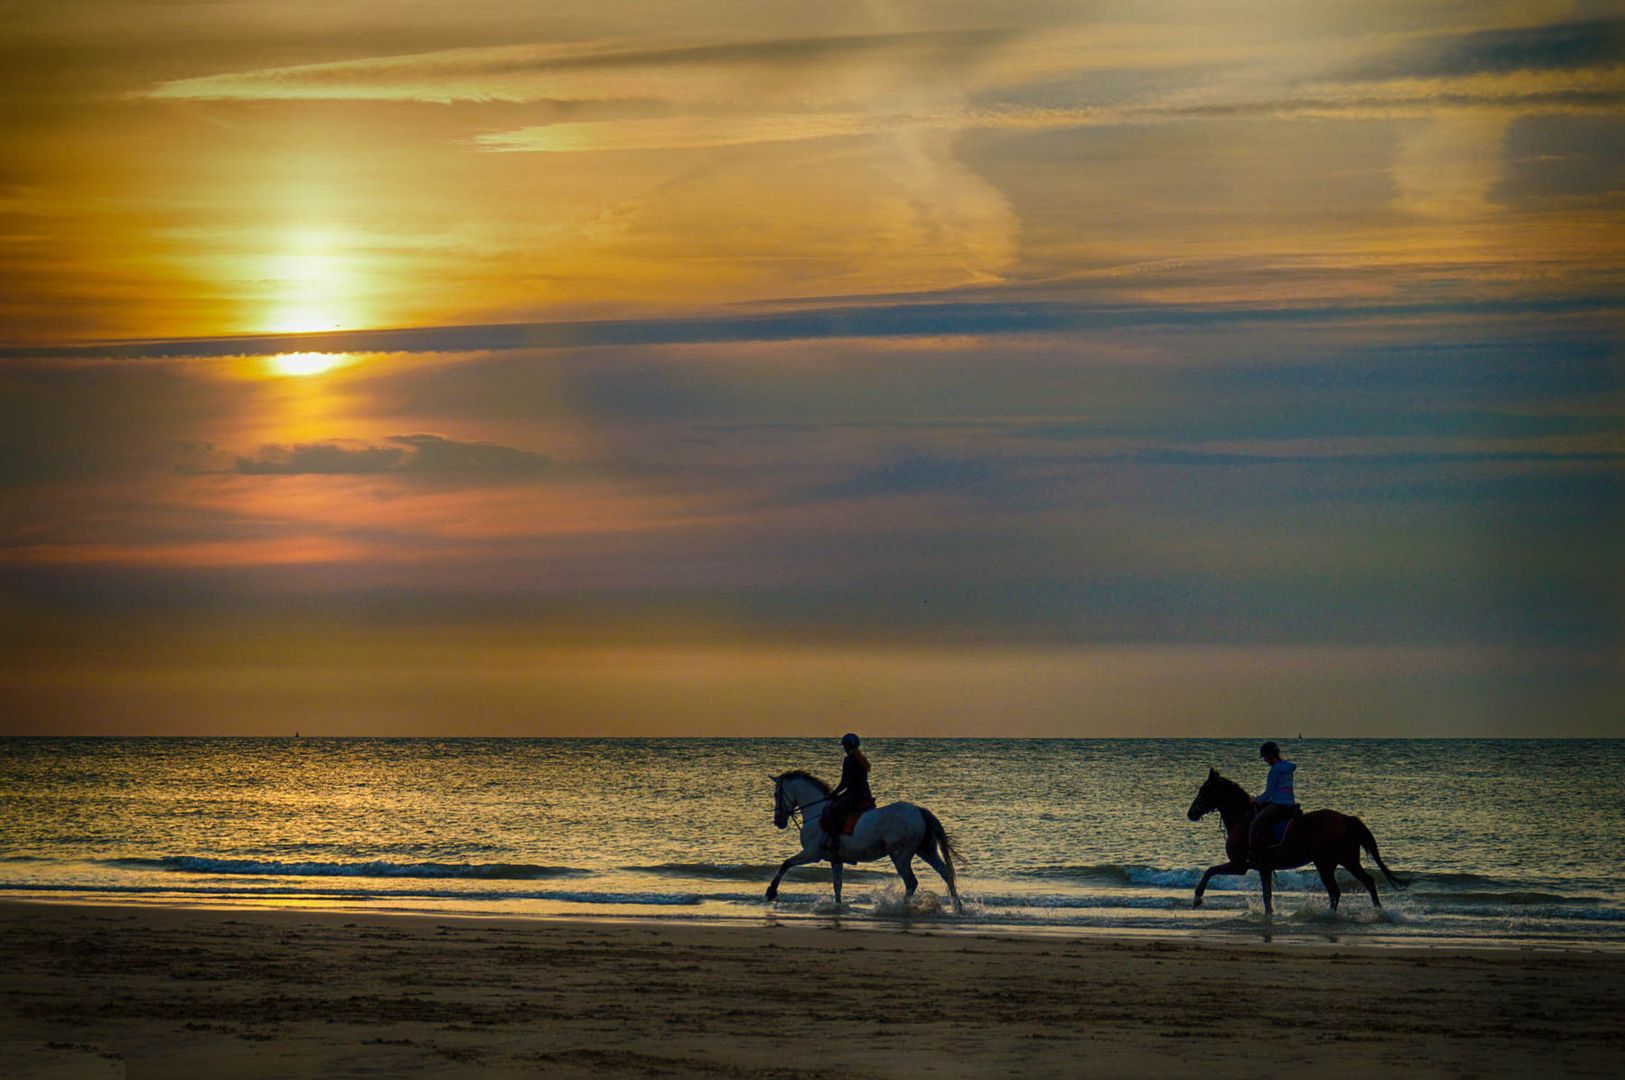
955, 368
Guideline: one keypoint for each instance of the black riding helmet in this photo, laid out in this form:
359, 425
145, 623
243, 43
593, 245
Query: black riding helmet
850, 741
1269, 750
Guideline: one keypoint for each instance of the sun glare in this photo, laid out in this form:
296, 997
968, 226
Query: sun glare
314, 279
299, 365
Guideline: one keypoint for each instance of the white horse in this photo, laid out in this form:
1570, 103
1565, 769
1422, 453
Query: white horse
901, 830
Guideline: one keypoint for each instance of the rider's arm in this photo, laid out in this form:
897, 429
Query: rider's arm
1269, 786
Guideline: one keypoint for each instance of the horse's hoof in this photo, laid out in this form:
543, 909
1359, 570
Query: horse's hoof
1196, 901
772, 893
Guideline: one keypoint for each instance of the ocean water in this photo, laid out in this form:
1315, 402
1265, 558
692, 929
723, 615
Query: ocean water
1503, 841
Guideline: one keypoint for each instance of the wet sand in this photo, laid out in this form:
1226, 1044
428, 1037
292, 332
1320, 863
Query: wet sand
139, 991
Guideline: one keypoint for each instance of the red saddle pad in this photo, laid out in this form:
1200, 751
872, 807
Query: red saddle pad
851, 821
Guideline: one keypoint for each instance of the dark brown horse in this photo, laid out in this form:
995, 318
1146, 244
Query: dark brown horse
1325, 837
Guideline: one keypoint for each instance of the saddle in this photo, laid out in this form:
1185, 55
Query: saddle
850, 822
1278, 829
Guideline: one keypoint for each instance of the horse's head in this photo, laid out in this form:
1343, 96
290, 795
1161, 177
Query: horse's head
1207, 796
793, 792
781, 809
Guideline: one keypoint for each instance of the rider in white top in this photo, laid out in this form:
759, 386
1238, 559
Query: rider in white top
1276, 801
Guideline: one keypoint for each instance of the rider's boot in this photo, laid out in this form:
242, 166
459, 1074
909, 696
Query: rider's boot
1257, 841
1256, 853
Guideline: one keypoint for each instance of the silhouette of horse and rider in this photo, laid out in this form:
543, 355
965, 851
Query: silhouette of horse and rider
841, 824
1269, 832
1266, 833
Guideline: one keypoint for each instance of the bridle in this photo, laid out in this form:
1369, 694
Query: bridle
789, 813
1203, 806
1206, 804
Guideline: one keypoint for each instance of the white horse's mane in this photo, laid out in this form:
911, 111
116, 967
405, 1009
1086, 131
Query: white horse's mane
803, 774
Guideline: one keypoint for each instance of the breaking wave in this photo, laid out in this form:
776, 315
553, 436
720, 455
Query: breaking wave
751, 872
567, 896
1123, 875
191, 864
1460, 886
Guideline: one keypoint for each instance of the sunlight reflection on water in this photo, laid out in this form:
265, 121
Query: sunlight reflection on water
1084, 834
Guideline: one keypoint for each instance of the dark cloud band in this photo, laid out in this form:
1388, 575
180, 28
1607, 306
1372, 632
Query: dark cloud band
400, 454
934, 319
1560, 47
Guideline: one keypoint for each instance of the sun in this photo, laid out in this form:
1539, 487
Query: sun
314, 283
303, 364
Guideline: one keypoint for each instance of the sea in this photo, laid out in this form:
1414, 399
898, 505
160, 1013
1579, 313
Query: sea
1504, 843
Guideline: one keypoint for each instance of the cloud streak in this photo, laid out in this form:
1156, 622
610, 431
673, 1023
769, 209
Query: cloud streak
735, 93
693, 132
939, 319
820, 68
412, 454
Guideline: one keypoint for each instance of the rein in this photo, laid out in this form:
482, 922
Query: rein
794, 811
1226, 808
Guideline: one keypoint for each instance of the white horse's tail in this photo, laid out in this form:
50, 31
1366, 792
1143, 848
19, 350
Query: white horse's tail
937, 836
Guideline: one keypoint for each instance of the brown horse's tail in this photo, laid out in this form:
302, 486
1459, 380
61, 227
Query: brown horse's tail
1369, 842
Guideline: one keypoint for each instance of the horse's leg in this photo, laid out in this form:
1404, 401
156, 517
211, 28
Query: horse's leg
1238, 868
1328, 878
1268, 877
835, 875
906, 872
930, 854
1364, 878
802, 859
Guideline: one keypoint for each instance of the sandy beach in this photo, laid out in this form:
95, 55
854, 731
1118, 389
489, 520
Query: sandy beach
146, 991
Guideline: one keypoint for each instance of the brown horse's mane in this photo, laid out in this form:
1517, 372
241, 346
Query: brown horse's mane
803, 774
1230, 799
1229, 785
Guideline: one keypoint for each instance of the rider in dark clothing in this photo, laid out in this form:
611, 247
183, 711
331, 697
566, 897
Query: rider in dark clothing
850, 795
